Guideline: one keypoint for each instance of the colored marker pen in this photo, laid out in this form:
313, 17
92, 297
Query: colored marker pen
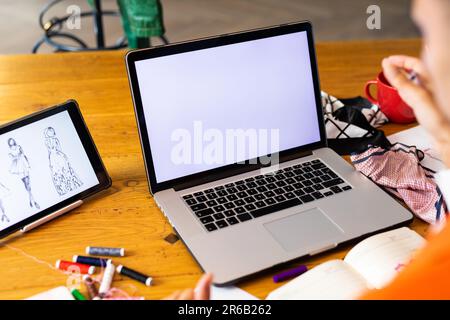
291, 273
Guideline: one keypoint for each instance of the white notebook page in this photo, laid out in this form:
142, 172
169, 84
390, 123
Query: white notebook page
333, 279
379, 258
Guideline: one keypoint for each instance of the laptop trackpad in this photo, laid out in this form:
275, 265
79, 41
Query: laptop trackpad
306, 229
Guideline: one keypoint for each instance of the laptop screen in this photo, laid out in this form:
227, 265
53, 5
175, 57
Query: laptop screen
213, 107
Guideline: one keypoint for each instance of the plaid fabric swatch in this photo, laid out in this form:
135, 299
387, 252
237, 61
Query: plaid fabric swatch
340, 130
398, 170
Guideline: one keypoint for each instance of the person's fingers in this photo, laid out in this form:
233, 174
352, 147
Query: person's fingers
411, 93
203, 288
398, 79
173, 296
417, 97
396, 75
187, 294
396, 68
409, 63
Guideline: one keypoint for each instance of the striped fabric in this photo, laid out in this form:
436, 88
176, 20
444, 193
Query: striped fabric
398, 170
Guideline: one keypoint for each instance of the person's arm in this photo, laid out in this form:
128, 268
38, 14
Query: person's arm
426, 277
419, 96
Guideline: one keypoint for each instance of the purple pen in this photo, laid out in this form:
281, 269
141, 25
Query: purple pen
291, 273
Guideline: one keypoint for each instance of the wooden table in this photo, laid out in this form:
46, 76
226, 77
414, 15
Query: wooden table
126, 215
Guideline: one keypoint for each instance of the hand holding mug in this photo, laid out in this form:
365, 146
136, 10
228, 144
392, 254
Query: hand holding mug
420, 97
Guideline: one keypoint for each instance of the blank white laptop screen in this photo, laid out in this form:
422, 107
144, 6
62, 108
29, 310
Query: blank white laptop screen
193, 102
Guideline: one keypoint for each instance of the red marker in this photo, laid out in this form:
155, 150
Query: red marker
75, 267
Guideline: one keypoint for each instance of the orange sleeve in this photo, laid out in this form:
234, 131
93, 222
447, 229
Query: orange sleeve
426, 277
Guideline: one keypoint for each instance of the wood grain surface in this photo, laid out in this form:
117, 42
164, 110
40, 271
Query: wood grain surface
126, 215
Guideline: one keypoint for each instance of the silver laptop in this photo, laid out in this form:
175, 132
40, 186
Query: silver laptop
235, 149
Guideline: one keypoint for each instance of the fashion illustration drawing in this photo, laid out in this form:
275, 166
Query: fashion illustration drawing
20, 166
64, 176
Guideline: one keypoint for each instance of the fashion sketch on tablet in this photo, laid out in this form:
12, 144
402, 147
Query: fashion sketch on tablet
4, 191
64, 176
20, 166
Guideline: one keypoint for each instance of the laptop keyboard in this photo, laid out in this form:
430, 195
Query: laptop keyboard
254, 197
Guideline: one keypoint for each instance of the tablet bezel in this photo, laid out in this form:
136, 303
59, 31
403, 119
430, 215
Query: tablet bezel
71, 106
216, 41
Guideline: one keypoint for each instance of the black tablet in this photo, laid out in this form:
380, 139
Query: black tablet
48, 161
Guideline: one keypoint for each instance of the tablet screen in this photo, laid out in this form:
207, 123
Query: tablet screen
41, 164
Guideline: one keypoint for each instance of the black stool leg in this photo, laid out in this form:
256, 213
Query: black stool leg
143, 43
98, 24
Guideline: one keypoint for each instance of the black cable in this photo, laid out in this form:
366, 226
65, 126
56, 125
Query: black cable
49, 40
50, 31
44, 11
53, 27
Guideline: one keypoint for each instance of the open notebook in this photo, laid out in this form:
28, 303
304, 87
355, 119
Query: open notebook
372, 263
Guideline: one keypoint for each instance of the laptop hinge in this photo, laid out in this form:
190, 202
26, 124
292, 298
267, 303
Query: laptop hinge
239, 169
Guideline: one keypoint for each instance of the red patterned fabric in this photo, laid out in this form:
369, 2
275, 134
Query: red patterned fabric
399, 171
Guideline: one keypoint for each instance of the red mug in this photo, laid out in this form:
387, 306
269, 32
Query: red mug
389, 101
